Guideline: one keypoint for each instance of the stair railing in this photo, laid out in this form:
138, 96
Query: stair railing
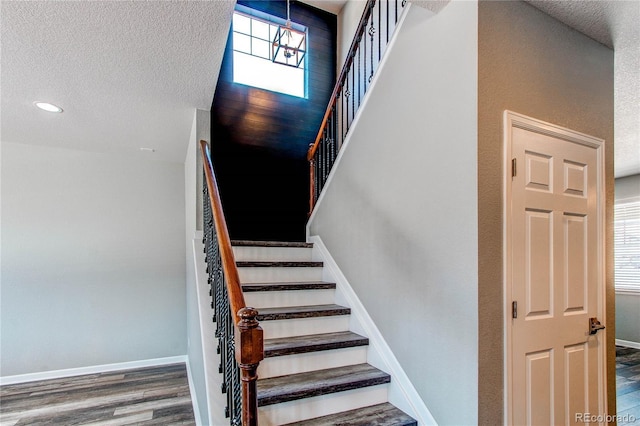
240, 342
367, 49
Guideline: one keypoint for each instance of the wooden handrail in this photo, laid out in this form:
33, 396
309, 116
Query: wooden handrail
236, 297
343, 75
354, 80
249, 347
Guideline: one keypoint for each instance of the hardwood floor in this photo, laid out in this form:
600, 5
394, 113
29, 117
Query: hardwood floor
146, 396
160, 396
628, 385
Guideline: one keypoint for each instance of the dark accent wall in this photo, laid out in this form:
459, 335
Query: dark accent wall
260, 138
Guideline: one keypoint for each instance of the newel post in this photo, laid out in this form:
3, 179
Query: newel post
249, 353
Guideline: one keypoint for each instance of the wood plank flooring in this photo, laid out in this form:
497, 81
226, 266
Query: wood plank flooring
160, 396
145, 396
628, 385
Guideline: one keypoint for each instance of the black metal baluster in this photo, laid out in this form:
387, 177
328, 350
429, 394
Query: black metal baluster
320, 164
236, 420
379, 30
364, 72
327, 159
338, 141
359, 75
372, 32
387, 3
353, 87
229, 355
340, 116
317, 174
349, 96
333, 137
324, 157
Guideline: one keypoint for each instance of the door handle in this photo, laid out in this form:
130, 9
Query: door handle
595, 325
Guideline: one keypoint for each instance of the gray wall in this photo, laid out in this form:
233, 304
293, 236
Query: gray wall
628, 305
399, 215
93, 259
534, 65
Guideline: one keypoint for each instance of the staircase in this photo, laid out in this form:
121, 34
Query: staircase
315, 370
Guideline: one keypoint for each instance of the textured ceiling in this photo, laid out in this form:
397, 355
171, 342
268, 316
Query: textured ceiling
130, 73
616, 24
333, 6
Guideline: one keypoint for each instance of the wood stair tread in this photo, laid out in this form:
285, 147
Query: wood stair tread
312, 343
375, 415
311, 311
275, 390
251, 243
288, 286
276, 264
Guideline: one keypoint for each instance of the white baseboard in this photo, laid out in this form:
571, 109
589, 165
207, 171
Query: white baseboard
194, 397
402, 393
94, 369
627, 344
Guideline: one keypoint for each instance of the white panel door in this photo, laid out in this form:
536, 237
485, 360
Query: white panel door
555, 275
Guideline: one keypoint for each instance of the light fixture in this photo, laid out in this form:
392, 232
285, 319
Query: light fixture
46, 106
289, 45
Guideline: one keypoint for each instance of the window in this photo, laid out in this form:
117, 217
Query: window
253, 34
627, 245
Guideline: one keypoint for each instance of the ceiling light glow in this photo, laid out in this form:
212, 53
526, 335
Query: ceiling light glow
46, 106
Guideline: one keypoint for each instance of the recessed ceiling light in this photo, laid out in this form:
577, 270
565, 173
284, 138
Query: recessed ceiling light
147, 150
46, 106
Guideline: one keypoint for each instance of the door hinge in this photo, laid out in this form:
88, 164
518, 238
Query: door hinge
514, 309
513, 167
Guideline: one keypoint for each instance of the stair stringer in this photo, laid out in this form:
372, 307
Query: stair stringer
401, 391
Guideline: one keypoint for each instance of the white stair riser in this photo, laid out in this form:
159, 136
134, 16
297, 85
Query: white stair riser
303, 326
272, 299
279, 274
307, 408
302, 254
301, 363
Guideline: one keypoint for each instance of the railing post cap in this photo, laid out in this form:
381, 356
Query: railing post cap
248, 313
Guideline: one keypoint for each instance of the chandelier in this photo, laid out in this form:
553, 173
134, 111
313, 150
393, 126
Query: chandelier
289, 45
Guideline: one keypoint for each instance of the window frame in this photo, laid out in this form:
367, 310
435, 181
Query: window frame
272, 21
632, 204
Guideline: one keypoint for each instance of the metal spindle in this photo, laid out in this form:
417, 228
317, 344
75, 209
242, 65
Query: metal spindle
364, 71
387, 21
379, 30
372, 32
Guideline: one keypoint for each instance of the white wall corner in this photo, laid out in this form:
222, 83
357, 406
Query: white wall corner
402, 393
